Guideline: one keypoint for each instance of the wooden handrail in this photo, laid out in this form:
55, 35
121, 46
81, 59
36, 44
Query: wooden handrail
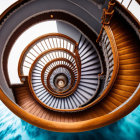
71, 91
52, 92
37, 19
29, 46
91, 124
11, 9
108, 13
78, 63
42, 74
55, 60
78, 66
106, 17
61, 93
121, 111
116, 65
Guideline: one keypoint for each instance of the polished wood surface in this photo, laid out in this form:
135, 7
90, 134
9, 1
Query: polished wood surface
40, 38
126, 83
37, 19
123, 97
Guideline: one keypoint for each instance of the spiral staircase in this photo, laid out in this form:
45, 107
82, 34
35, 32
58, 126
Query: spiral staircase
69, 84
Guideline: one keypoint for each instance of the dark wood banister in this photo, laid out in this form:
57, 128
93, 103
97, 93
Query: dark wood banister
42, 76
134, 100
27, 48
118, 5
91, 124
61, 93
114, 73
59, 16
116, 65
106, 17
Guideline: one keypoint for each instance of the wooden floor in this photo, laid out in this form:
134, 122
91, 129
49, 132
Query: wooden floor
127, 80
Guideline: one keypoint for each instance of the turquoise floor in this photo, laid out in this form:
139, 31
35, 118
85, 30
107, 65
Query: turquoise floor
13, 128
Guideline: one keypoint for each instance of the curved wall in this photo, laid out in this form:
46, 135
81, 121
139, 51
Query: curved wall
86, 11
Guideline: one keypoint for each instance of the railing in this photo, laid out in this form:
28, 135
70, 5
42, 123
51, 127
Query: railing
108, 55
59, 82
129, 9
89, 63
34, 49
62, 75
107, 119
107, 42
133, 6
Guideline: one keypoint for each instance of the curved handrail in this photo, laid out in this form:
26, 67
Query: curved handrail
71, 91
78, 126
55, 60
72, 80
42, 78
114, 73
115, 57
115, 68
11, 9
66, 17
51, 92
29, 47
127, 106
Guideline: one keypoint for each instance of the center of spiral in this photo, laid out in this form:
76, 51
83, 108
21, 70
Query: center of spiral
61, 81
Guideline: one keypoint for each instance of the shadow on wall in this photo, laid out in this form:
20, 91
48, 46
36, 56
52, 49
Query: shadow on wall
13, 128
